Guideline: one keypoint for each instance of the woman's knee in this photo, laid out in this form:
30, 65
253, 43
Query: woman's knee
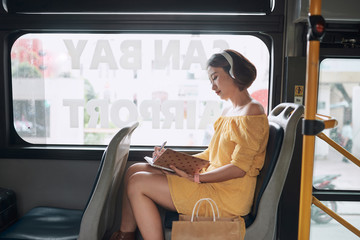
137, 167
153, 186
136, 182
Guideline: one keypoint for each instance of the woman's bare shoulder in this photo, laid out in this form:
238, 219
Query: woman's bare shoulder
254, 108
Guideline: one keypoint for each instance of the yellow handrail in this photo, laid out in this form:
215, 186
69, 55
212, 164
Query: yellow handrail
342, 221
317, 203
311, 87
328, 121
339, 148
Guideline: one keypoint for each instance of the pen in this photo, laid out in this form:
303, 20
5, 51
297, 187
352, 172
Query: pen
161, 148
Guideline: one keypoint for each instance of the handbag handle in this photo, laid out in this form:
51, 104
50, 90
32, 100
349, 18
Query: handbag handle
198, 204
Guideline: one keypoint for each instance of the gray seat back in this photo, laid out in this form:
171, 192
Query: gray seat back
276, 135
99, 214
263, 226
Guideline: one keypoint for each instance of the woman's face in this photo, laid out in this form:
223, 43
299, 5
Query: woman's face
222, 83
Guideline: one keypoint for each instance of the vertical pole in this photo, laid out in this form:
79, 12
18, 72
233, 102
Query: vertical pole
312, 69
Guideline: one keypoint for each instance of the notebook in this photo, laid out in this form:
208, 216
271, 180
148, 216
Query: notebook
182, 161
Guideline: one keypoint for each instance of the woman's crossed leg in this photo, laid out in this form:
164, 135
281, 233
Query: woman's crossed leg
145, 187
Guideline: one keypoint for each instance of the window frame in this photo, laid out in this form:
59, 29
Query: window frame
333, 194
268, 28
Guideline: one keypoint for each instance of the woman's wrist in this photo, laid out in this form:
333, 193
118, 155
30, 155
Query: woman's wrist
197, 178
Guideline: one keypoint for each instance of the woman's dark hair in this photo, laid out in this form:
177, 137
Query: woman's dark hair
243, 70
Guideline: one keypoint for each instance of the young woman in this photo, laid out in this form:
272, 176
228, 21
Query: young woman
236, 154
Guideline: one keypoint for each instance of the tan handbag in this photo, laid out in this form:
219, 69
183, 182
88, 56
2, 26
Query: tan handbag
207, 228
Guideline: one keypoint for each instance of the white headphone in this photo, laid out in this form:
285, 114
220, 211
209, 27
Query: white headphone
228, 58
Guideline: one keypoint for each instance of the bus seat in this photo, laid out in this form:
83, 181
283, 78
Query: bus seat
99, 214
261, 221
276, 135
283, 122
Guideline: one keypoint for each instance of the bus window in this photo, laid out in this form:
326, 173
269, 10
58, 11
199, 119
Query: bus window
81, 88
339, 97
323, 227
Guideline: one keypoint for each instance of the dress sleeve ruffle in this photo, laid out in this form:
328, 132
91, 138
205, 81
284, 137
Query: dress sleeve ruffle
206, 154
203, 155
250, 135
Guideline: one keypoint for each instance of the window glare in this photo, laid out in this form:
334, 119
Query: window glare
82, 88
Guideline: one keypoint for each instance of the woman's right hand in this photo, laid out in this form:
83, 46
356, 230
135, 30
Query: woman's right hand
157, 151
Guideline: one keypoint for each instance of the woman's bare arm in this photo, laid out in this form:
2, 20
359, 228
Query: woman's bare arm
220, 174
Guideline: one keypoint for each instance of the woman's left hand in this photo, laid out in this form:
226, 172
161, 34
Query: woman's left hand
181, 173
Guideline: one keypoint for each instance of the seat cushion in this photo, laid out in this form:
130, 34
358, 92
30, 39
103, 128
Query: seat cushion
46, 223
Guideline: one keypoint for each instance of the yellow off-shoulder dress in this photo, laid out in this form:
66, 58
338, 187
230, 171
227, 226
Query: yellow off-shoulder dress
239, 140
